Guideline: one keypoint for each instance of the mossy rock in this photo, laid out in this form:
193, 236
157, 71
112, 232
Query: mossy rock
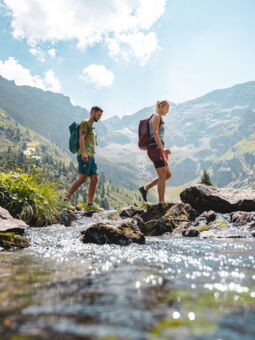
114, 216
214, 225
105, 233
159, 227
203, 228
219, 225
10, 240
156, 211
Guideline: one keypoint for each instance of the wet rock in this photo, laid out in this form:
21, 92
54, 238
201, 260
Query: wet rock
183, 211
182, 227
253, 233
221, 229
10, 224
159, 227
207, 216
131, 211
155, 211
202, 198
10, 240
104, 233
66, 217
139, 223
241, 218
80, 210
173, 216
218, 224
191, 232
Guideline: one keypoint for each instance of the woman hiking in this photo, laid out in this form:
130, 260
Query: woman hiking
157, 152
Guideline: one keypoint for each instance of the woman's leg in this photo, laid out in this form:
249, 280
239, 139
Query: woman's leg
151, 184
164, 174
155, 180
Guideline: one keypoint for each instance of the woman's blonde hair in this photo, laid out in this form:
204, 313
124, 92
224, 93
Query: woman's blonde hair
161, 103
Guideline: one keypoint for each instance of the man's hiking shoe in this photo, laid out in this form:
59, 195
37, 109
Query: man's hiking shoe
144, 193
92, 207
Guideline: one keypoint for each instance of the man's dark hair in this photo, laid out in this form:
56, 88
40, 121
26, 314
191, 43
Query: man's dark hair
95, 109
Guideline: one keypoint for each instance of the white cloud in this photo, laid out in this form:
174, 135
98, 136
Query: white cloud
140, 45
99, 75
44, 55
12, 70
38, 53
52, 52
113, 22
51, 82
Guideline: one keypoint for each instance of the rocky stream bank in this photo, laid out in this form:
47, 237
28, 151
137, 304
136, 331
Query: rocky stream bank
205, 212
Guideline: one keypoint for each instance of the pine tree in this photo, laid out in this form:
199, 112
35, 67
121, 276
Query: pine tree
205, 178
105, 204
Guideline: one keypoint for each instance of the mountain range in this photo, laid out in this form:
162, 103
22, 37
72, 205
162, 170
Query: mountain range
214, 132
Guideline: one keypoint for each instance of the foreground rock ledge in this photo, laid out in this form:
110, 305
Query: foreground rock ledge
223, 200
10, 224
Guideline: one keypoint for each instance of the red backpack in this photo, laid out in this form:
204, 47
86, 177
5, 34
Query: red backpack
144, 137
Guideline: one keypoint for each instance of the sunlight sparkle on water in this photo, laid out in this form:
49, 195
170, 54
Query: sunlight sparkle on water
176, 315
227, 287
192, 316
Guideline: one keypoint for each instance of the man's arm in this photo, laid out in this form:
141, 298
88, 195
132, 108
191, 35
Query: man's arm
84, 154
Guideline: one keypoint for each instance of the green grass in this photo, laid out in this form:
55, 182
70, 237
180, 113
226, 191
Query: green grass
31, 197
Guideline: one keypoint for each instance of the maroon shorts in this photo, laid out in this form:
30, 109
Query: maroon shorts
157, 157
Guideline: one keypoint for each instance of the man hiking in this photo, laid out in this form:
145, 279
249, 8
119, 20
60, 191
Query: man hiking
86, 158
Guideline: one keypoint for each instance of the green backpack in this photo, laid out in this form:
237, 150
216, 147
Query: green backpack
74, 129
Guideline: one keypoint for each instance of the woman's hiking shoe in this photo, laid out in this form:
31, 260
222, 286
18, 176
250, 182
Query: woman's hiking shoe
144, 193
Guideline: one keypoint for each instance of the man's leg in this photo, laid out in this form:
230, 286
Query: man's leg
76, 184
92, 188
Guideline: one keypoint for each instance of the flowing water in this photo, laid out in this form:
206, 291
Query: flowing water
170, 288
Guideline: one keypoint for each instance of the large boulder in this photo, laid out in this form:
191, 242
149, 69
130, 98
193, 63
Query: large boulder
105, 233
224, 200
10, 224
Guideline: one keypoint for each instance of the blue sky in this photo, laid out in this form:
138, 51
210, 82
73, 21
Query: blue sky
127, 54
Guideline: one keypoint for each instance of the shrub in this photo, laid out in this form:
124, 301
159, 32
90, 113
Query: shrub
30, 197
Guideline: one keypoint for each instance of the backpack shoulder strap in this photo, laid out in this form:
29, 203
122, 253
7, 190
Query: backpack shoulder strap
154, 115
